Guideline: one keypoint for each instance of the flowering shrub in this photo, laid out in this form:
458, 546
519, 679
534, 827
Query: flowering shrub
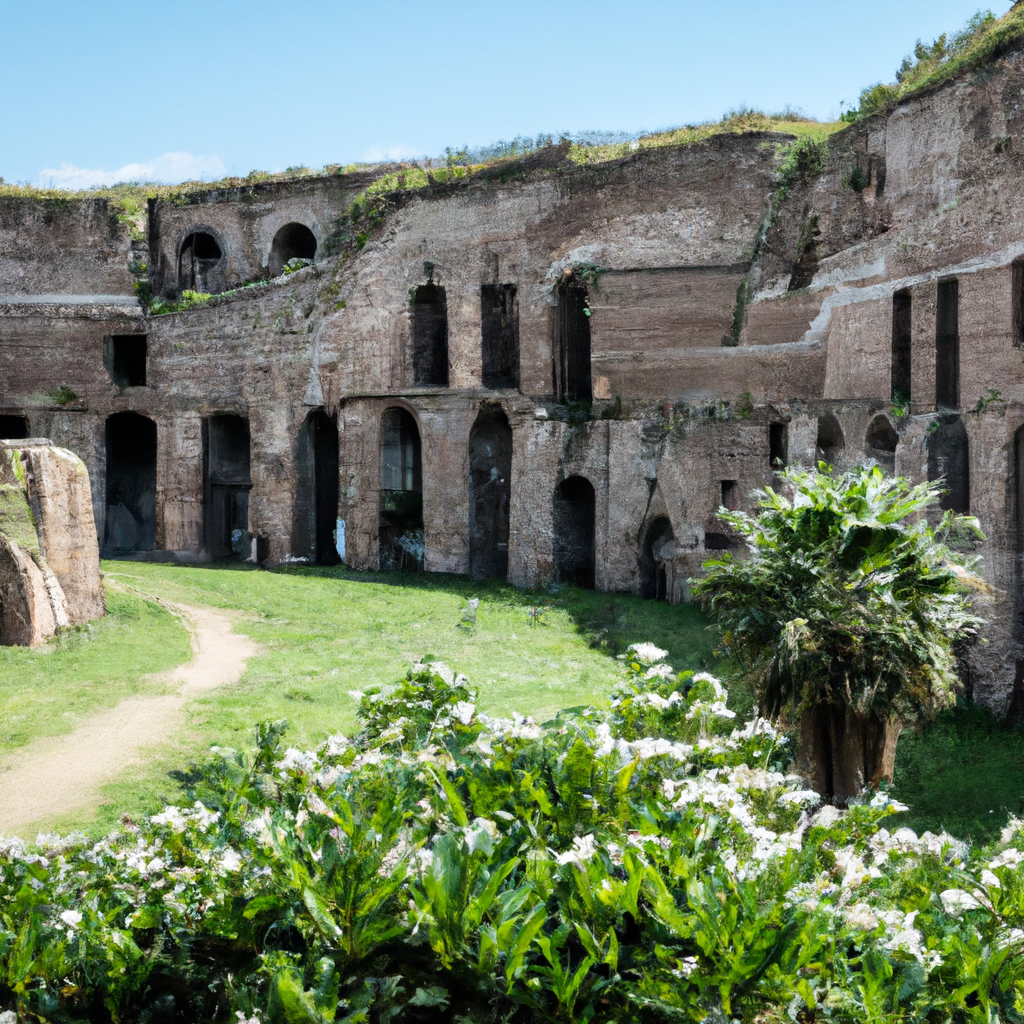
647, 862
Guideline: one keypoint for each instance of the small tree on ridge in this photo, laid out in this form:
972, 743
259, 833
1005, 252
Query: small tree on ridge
845, 614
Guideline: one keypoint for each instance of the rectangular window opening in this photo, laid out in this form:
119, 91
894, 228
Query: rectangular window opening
430, 336
731, 494
13, 428
124, 357
947, 345
1018, 302
499, 326
901, 341
573, 382
778, 445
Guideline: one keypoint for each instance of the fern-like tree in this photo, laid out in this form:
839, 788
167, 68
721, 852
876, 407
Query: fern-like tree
845, 613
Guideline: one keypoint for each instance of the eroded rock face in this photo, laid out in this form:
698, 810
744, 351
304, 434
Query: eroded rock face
49, 557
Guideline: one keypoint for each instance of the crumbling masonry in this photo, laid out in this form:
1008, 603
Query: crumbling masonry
546, 371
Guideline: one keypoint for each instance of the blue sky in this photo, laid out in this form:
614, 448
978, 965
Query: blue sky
105, 89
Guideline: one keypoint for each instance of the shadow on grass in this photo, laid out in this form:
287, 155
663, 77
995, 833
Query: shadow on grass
963, 773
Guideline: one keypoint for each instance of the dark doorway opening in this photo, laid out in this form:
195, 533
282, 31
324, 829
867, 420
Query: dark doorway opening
490, 493
947, 345
901, 346
731, 494
830, 442
499, 327
200, 264
292, 242
316, 492
949, 460
124, 357
778, 445
574, 532
1017, 284
656, 560
131, 484
430, 336
13, 428
881, 441
1015, 712
226, 486
572, 343
400, 540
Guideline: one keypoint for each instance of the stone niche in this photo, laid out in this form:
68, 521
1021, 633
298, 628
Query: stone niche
49, 557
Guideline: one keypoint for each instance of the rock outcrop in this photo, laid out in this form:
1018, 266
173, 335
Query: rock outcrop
49, 556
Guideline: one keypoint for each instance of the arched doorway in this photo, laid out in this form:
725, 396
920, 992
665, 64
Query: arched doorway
830, 442
400, 538
490, 491
949, 461
881, 441
131, 484
656, 561
226, 486
574, 532
316, 491
200, 264
293, 241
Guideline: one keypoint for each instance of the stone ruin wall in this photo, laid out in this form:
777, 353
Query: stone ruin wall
678, 408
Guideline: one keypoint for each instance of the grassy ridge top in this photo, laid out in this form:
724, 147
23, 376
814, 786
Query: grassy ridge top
980, 41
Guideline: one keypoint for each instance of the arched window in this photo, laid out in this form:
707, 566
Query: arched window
490, 492
293, 241
201, 264
316, 489
574, 532
131, 484
881, 441
400, 538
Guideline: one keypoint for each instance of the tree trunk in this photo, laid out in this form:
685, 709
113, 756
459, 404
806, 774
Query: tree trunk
843, 752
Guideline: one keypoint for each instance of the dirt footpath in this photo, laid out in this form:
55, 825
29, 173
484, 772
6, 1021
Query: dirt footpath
64, 773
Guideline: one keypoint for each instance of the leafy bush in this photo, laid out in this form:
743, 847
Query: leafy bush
645, 862
978, 41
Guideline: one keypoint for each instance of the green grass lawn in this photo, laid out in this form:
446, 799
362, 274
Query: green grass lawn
326, 632
47, 690
963, 773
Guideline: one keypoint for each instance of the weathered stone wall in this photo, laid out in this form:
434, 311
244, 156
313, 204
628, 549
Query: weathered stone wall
49, 557
677, 247
62, 247
245, 220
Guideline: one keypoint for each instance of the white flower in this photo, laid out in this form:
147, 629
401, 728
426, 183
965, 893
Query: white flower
661, 671
686, 967
231, 860
956, 901
72, 918
861, 917
882, 800
647, 653
464, 711
583, 848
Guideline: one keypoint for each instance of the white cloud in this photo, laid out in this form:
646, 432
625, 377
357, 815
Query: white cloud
171, 168
386, 154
